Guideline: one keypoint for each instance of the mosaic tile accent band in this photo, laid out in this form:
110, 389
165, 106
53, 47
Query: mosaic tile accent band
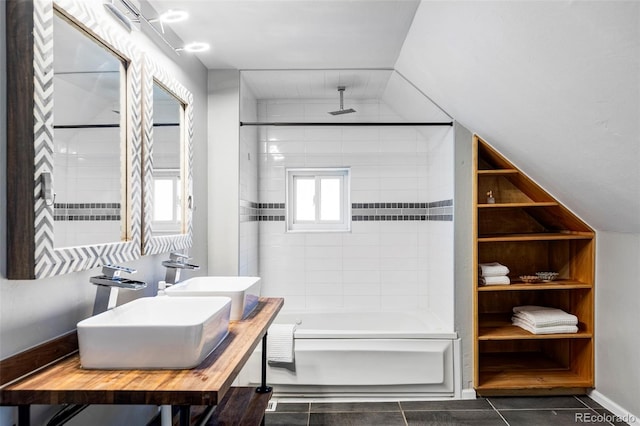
263, 212
436, 210
86, 211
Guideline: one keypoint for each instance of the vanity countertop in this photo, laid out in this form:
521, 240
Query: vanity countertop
65, 382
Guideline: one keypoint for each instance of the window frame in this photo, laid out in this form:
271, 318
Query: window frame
168, 226
317, 225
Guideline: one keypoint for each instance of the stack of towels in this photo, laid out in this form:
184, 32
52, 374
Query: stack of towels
493, 274
543, 320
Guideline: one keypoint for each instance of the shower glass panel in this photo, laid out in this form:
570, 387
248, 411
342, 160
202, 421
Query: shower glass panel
379, 209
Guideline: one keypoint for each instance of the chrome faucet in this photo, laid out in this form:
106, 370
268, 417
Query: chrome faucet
108, 285
176, 262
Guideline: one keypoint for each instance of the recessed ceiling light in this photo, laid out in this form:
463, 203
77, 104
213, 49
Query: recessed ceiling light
173, 15
196, 47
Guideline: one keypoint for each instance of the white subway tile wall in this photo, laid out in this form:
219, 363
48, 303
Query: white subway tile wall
87, 182
381, 264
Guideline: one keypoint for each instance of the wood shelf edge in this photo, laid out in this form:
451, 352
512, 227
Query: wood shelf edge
517, 205
553, 285
489, 172
507, 333
485, 391
545, 236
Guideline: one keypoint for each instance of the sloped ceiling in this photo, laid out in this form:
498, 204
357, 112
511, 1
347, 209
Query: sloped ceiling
554, 86
294, 34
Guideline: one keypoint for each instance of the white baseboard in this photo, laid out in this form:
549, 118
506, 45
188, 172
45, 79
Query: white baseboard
468, 394
616, 409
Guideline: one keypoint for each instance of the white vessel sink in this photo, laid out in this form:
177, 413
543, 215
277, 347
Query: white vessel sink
243, 291
154, 333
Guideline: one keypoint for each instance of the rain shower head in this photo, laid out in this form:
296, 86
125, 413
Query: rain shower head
342, 110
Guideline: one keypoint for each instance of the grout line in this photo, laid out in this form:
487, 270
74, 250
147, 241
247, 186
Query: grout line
497, 411
595, 410
581, 401
404, 417
402, 414
591, 408
544, 409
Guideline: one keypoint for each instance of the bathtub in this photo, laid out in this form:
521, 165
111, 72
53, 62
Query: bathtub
355, 355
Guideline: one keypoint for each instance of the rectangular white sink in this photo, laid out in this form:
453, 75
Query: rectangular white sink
154, 333
243, 291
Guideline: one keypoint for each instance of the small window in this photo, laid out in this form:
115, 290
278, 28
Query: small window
167, 207
318, 199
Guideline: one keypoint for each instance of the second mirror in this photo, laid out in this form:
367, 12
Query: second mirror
167, 115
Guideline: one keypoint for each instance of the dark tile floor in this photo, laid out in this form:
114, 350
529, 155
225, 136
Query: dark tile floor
514, 411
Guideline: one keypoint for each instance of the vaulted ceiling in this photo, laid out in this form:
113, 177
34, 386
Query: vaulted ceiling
295, 34
554, 86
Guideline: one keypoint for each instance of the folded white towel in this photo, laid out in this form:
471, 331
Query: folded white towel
558, 329
280, 343
523, 308
557, 323
493, 269
547, 318
494, 280
544, 317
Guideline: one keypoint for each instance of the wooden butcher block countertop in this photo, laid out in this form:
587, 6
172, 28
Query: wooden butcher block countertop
65, 382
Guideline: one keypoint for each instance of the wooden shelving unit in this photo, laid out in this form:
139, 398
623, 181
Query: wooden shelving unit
529, 231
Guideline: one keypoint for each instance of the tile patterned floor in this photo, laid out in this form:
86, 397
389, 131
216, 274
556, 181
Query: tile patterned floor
498, 411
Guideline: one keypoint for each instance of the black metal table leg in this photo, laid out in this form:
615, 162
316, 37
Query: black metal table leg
24, 415
263, 388
185, 415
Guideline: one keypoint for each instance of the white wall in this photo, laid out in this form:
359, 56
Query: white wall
617, 319
32, 312
224, 143
379, 265
463, 243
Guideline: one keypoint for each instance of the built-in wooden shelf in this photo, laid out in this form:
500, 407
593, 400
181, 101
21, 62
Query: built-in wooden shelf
551, 285
527, 230
512, 373
511, 332
499, 327
497, 172
517, 205
550, 236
